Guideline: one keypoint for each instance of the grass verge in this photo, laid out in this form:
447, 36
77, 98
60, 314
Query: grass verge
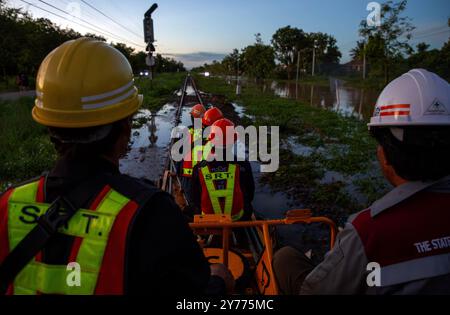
26, 149
158, 91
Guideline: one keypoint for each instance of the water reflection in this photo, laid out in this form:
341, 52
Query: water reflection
337, 96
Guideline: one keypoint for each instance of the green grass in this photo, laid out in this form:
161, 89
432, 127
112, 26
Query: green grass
26, 150
339, 144
160, 90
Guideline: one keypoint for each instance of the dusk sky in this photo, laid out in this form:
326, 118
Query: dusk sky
200, 31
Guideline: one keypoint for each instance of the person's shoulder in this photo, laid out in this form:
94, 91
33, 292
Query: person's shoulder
23, 183
359, 217
138, 189
244, 166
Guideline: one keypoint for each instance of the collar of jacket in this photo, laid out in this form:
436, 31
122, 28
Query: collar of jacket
406, 191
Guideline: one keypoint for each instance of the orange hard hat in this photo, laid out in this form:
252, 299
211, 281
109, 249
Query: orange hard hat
198, 111
227, 133
211, 116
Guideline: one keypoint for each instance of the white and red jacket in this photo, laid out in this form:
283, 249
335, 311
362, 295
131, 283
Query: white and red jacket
407, 233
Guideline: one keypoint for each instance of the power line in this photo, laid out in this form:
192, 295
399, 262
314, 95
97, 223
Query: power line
430, 30
136, 25
87, 22
110, 18
64, 18
90, 16
431, 34
60, 16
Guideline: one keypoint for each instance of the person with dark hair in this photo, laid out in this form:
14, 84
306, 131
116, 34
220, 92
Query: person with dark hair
401, 243
84, 213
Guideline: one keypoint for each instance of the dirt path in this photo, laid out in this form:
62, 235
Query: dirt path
12, 96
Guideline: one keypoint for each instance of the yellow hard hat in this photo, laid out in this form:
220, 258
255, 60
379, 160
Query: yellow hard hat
84, 83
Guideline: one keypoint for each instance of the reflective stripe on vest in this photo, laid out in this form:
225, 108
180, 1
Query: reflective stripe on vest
196, 134
198, 154
92, 227
227, 193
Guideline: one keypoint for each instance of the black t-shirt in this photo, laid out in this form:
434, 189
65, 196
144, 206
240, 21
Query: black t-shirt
163, 256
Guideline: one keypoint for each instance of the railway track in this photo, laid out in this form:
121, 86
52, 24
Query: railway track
170, 170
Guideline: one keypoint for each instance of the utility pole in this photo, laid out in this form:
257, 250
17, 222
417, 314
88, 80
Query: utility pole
149, 37
298, 73
314, 59
238, 81
364, 61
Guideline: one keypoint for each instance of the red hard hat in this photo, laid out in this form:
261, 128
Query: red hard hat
211, 116
198, 111
222, 125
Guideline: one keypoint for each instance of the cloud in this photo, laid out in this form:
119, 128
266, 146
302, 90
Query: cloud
191, 60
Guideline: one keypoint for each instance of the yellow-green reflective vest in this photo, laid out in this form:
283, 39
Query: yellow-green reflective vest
231, 195
101, 261
197, 154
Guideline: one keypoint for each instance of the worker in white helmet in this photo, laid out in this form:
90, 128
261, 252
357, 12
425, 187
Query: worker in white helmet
401, 243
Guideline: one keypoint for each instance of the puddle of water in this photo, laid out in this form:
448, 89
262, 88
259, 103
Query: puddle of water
274, 205
292, 145
149, 143
336, 96
189, 91
240, 111
150, 139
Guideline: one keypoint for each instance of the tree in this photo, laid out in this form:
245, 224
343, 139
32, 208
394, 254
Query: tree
95, 36
326, 50
231, 62
287, 42
357, 53
258, 59
389, 41
434, 60
124, 49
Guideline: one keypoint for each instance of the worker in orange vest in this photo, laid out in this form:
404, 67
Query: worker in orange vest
223, 187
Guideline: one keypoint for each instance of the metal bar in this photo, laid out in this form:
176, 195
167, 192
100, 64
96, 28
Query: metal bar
288, 221
225, 245
269, 252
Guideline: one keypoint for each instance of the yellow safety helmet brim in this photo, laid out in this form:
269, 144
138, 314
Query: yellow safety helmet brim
76, 119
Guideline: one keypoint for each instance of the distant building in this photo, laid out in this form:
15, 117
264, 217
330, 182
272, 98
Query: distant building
353, 66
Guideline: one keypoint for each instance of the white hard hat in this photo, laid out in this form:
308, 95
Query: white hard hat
417, 98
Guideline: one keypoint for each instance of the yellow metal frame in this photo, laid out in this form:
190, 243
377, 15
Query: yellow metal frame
223, 225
